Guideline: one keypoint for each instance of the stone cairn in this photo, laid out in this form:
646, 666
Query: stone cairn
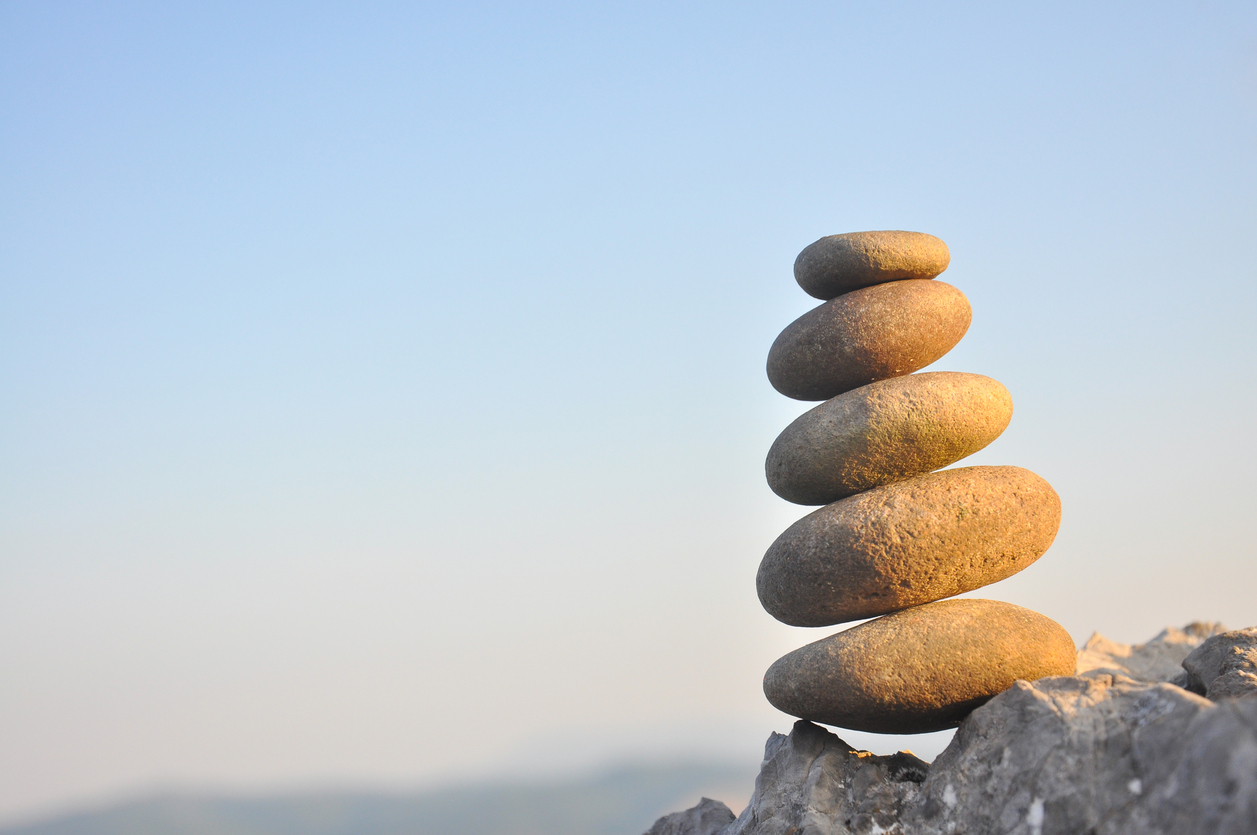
896, 534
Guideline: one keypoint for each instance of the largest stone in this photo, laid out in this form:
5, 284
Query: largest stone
867, 335
919, 670
886, 432
908, 543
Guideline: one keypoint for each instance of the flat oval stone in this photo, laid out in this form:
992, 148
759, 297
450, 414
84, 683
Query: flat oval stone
838, 264
885, 432
920, 670
908, 543
867, 335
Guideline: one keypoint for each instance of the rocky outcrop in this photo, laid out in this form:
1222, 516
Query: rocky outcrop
1224, 666
1128, 746
709, 816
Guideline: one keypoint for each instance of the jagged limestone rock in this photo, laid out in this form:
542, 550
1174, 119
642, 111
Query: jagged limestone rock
1099, 753
1160, 659
1224, 666
707, 818
1075, 751
812, 781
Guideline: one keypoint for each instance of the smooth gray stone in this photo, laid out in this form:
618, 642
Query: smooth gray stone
908, 543
919, 670
838, 264
886, 432
867, 335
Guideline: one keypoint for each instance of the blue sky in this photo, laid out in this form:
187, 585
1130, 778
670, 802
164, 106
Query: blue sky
378, 370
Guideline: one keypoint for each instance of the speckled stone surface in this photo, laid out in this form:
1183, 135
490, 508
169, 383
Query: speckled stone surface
871, 334
838, 264
908, 543
923, 669
885, 432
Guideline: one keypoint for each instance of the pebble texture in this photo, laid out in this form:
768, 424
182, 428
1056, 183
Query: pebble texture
838, 264
885, 432
923, 669
879, 332
908, 543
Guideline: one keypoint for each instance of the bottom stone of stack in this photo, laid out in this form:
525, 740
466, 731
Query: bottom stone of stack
923, 669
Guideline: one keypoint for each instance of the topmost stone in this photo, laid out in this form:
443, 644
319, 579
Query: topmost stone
839, 264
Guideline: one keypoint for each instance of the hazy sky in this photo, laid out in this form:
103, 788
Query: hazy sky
383, 383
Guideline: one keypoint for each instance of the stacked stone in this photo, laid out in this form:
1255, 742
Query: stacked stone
895, 537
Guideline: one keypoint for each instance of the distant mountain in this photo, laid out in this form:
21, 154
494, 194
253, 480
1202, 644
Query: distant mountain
625, 801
